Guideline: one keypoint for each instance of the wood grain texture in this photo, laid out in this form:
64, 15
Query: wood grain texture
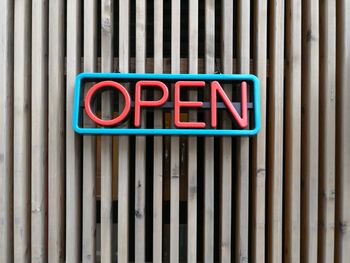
343, 129
310, 131
89, 142
56, 132
192, 141
242, 194
275, 129
327, 131
175, 141
21, 136
292, 149
106, 141
209, 210
123, 142
226, 142
39, 131
259, 142
140, 148
158, 140
73, 141
6, 130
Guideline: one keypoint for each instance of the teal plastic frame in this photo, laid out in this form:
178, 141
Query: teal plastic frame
173, 131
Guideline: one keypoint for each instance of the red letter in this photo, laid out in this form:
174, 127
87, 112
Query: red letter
102, 85
191, 104
148, 103
242, 122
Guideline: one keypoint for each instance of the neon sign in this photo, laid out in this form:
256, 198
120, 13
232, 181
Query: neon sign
213, 101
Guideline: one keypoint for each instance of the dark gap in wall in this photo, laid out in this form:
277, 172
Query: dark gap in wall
149, 198
150, 29
200, 198
217, 198
132, 198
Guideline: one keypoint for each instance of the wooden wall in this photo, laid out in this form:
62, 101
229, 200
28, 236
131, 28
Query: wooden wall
281, 196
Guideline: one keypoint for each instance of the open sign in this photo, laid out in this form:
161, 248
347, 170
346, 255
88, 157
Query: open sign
172, 89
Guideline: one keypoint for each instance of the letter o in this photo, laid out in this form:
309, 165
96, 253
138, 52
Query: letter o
98, 86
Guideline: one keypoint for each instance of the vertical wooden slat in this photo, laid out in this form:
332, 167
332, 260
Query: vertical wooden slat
106, 141
39, 129
343, 131
158, 140
259, 142
327, 130
192, 140
21, 152
310, 128
6, 132
123, 143
174, 154
56, 131
293, 132
226, 142
208, 255
89, 142
140, 149
73, 141
275, 140
242, 208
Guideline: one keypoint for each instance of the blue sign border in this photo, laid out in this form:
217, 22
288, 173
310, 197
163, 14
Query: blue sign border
147, 76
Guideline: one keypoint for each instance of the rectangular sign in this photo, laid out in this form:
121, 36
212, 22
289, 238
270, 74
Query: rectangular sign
233, 95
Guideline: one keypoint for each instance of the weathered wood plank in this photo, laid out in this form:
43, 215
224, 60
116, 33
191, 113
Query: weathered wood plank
226, 142
327, 130
208, 255
158, 141
174, 143
259, 142
275, 140
56, 131
89, 142
73, 141
140, 148
310, 129
242, 208
6, 131
22, 118
106, 141
192, 140
39, 131
123, 142
343, 130
293, 132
